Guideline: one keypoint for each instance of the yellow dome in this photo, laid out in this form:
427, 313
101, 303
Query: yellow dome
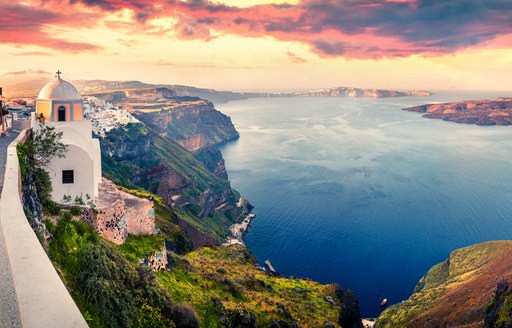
59, 90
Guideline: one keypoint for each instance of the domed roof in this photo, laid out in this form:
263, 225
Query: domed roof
59, 90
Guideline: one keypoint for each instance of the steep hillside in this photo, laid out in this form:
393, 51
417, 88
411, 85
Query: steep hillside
226, 288
209, 287
137, 157
459, 291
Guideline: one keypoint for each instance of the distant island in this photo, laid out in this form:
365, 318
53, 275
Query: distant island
31, 85
358, 92
479, 112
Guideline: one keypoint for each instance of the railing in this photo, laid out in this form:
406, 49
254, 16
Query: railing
43, 300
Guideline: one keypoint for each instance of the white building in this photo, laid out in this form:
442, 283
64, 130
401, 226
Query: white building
79, 173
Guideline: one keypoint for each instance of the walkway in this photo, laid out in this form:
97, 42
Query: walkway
9, 313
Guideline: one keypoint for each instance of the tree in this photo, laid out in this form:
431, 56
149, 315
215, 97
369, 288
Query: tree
35, 155
40, 148
47, 145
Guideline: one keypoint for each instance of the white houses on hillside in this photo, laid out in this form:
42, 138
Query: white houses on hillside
79, 172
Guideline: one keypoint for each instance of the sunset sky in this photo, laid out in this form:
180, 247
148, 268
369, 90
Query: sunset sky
265, 45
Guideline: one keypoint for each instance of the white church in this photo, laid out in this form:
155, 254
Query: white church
79, 172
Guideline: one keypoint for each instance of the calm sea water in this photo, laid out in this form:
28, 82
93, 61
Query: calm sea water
358, 192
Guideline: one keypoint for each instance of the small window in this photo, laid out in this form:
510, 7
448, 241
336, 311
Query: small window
68, 176
62, 114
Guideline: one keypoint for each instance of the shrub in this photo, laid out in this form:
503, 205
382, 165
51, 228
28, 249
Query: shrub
52, 208
151, 317
107, 281
75, 211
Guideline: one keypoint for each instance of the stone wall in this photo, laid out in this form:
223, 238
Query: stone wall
157, 261
110, 223
140, 218
119, 214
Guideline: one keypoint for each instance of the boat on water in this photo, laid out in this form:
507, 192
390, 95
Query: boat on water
384, 302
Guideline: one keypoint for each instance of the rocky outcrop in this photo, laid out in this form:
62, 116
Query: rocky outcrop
157, 260
358, 92
212, 159
136, 94
480, 112
129, 149
127, 142
33, 207
499, 313
458, 291
193, 125
145, 93
350, 316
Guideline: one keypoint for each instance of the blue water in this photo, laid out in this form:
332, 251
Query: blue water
358, 192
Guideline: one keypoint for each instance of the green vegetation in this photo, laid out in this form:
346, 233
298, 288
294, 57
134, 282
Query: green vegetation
137, 247
175, 238
141, 193
110, 289
113, 290
456, 290
34, 156
208, 287
41, 146
504, 315
165, 159
231, 276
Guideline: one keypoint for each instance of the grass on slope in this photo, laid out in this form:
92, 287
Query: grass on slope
138, 247
451, 291
230, 275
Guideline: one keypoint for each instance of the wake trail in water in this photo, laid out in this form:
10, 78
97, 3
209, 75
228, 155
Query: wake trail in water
399, 122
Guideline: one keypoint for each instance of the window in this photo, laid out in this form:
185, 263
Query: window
62, 113
68, 176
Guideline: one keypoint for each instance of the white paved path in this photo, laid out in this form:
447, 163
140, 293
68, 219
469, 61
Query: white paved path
9, 313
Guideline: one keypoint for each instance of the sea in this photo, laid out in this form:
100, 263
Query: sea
358, 192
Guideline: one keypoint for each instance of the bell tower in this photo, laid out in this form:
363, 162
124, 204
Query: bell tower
78, 174
59, 101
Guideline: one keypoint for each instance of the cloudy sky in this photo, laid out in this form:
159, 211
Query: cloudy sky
265, 44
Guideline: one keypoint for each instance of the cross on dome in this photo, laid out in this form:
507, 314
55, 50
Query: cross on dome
58, 74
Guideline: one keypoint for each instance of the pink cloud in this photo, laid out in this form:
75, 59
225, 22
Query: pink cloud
331, 28
25, 25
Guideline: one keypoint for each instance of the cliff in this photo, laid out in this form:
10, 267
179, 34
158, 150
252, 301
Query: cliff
95, 86
459, 292
479, 112
194, 125
227, 288
172, 154
358, 92
135, 94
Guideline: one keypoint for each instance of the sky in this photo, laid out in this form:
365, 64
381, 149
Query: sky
264, 45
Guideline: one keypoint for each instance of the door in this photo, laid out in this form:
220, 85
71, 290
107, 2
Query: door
62, 114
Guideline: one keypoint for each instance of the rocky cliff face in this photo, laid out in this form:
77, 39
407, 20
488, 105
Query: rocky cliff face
127, 143
140, 94
482, 112
153, 155
212, 159
459, 292
499, 313
358, 92
194, 125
